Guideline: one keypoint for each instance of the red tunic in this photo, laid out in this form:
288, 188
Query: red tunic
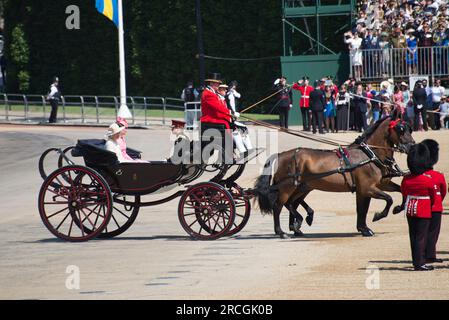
213, 110
440, 189
419, 192
305, 94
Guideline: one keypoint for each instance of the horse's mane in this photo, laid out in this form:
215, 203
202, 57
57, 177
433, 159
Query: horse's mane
371, 129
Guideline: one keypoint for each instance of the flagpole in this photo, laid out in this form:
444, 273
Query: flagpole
124, 110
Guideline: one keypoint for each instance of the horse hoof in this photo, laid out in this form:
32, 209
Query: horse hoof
298, 234
367, 232
397, 209
379, 215
309, 220
283, 236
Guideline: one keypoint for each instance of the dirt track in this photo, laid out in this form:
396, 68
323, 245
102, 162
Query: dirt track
156, 260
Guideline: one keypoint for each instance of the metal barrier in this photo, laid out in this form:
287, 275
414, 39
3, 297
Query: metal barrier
400, 62
192, 115
91, 109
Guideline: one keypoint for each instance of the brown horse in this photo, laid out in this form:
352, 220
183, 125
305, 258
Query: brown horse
365, 167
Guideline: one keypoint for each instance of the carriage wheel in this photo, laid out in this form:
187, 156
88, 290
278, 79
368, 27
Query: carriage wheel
206, 211
123, 216
242, 209
61, 158
75, 203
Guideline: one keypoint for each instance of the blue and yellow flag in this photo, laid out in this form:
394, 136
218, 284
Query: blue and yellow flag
109, 8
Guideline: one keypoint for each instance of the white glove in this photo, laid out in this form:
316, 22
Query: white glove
236, 114
290, 106
277, 82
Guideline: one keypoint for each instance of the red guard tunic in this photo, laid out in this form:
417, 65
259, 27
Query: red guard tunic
305, 94
440, 189
213, 110
419, 192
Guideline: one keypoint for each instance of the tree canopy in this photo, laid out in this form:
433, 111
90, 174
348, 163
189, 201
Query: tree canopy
160, 40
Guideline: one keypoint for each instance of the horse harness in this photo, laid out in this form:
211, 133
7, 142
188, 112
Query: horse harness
389, 168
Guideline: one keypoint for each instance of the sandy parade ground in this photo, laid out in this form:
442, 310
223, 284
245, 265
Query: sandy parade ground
156, 259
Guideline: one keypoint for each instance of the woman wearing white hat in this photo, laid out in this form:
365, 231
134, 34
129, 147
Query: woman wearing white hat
112, 143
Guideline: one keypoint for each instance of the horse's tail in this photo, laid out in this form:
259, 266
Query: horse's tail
264, 192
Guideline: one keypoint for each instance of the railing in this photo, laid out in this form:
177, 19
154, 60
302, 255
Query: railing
90, 109
400, 63
309, 3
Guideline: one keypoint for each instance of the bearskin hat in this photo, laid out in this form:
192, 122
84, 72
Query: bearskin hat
434, 149
418, 159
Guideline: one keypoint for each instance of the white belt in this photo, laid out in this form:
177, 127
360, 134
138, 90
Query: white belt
418, 197
305, 97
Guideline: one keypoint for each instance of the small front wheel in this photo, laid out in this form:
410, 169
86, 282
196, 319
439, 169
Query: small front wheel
75, 203
206, 211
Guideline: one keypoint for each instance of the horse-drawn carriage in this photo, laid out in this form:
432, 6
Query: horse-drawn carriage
102, 198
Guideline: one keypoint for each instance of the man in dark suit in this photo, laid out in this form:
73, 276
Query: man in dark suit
419, 102
317, 104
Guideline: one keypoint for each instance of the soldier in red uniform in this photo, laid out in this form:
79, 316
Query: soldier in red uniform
215, 121
437, 208
303, 87
419, 194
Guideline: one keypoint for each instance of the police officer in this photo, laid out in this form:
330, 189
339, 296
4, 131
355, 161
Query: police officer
53, 97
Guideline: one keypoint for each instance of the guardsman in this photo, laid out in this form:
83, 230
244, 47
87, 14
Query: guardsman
419, 194
305, 89
437, 208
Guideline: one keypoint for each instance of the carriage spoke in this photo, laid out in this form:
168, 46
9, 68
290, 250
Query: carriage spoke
88, 219
82, 226
70, 229
115, 208
115, 220
60, 224
56, 213
56, 202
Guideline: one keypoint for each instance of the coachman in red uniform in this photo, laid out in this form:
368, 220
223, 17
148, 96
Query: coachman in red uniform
215, 120
303, 87
437, 208
419, 195
213, 111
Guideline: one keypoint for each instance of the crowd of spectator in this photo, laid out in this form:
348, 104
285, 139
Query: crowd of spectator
399, 24
423, 106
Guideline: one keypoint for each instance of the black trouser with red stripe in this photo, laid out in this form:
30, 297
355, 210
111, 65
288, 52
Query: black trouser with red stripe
418, 232
434, 233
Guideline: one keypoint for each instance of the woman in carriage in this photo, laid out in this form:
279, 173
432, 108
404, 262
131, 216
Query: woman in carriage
115, 141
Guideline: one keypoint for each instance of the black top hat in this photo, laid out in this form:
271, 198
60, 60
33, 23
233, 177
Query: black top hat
418, 159
434, 150
214, 77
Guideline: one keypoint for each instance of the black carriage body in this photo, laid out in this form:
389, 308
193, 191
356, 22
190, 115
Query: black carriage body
128, 178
